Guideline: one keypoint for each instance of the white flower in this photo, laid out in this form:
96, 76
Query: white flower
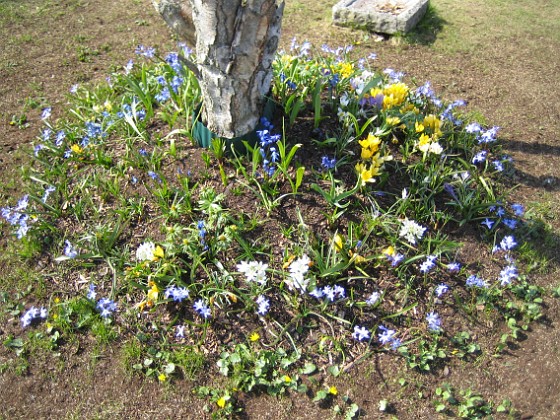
301, 265
254, 271
411, 231
145, 252
436, 148
344, 99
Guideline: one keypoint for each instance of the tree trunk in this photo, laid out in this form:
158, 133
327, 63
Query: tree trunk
236, 42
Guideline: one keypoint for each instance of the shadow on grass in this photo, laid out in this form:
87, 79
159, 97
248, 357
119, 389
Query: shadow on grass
549, 182
427, 30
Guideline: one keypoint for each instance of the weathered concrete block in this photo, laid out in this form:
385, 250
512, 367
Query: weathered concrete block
385, 16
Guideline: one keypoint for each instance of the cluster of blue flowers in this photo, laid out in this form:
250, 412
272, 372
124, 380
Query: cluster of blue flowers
329, 292
268, 147
33, 314
178, 294
105, 306
17, 216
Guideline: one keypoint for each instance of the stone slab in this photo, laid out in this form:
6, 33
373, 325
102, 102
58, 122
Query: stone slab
384, 16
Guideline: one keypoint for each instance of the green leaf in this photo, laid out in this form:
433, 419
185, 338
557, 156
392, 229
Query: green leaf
334, 370
308, 369
320, 396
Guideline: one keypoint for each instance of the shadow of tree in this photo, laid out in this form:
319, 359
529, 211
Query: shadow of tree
427, 30
549, 182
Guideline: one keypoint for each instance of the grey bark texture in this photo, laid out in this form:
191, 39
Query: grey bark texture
236, 42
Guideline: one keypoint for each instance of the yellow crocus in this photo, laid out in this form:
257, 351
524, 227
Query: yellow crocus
392, 120
158, 252
76, 149
337, 240
367, 174
346, 69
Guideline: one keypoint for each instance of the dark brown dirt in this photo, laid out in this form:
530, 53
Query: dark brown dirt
514, 82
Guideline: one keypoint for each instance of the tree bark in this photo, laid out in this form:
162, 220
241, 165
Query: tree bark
236, 42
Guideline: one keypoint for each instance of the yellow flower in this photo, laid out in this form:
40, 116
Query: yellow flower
424, 143
433, 123
419, 127
372, 142
97, 108
395, 95
153, 293
287, 379
221, 402
367, 174
76, 149
346, 69
158, 252
337, 240
162, 377
392, 120
333, 390
108, 106
254, 337
390, 251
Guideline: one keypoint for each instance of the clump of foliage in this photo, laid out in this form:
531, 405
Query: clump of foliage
115, 197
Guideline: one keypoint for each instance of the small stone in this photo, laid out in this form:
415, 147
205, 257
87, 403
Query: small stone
384, 16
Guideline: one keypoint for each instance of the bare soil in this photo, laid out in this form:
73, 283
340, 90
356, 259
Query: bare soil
513, 80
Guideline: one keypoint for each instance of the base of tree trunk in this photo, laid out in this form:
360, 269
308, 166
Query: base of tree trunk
203, 136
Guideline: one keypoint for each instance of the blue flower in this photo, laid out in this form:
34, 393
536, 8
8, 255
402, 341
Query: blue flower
510, 223
317, 293
480, 157
264, 305
180, 331
488, 223
91, 294
488, 136
508, 274
434, 322
147, 52
106, 307
473, 127
60, 136
178, 294
37, 149
69, 250
394, 76
474, 280
46, 113
386, 335
373, 298
428, 264
163, 96
508, 243
128, 67
453, 267
154, 176
518, 209
74, 88
33, 314
360, 333
202, 309
441, 289
328, 163
499, 166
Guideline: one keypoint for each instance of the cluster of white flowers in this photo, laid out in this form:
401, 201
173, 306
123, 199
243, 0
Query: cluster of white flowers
298, 270
411, 231
431, 147
254, 271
